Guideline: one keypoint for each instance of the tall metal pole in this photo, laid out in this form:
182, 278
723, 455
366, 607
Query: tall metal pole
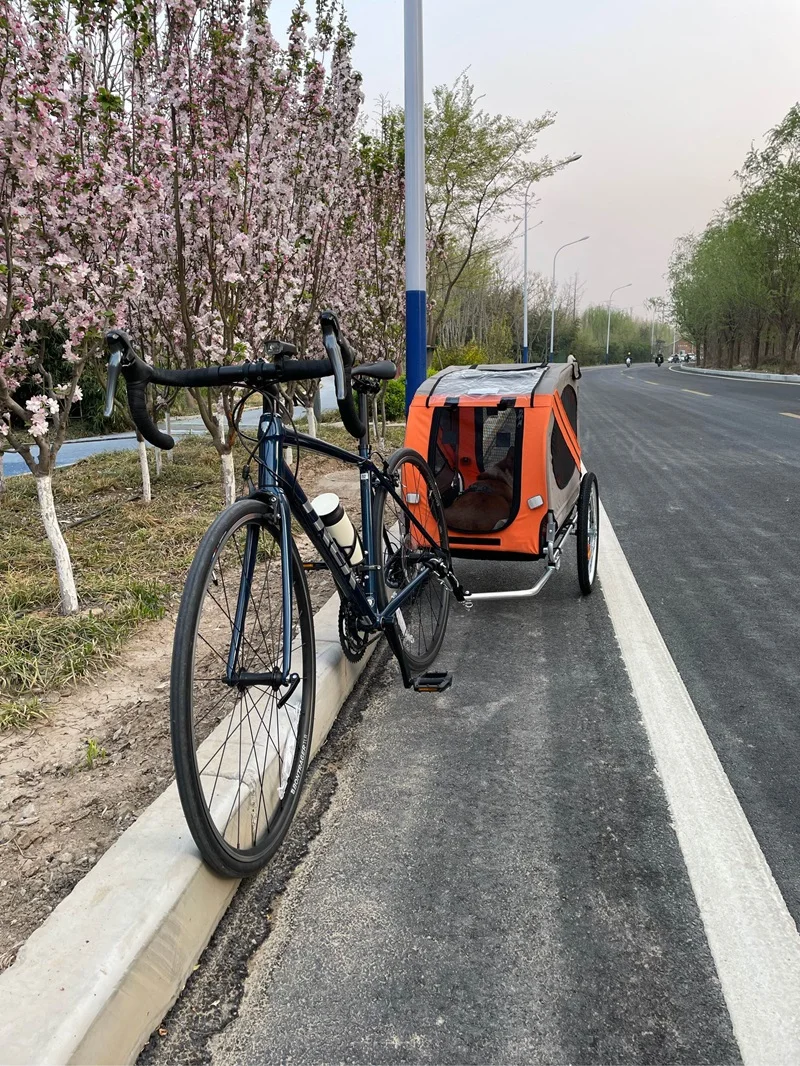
525, 285
653, 334
674, 339
553, 300
572, 159
611, 297
416, 339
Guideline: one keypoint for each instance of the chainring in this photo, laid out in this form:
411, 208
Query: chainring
353, 639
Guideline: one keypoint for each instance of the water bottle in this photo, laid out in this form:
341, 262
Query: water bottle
329, 508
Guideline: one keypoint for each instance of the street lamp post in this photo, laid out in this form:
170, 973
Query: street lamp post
525, 285
553, 300
571, 159
627, 285
416, 340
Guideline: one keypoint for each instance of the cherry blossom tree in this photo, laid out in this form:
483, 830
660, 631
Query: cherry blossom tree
69, 206
260, 178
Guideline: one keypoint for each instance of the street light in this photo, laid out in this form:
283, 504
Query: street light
553, 301
525, 285
611, 297
547, 170
416, 340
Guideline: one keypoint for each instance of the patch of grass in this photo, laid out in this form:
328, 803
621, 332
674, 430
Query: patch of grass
339, 435
94, 752
19, 714
130, 560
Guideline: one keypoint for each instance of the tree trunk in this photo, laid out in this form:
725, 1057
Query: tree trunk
730, 344
228, 478
795, 344
168, 426
58, 546
147, 495
784, 347
159, 454
312, 420
2, 472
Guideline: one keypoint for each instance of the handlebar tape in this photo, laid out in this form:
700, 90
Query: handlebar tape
340, 350
136, 383
347, 409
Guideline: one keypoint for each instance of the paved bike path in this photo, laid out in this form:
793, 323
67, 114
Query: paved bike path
496, 879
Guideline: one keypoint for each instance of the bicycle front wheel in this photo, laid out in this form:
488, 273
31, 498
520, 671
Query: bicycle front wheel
241, 745
411, 540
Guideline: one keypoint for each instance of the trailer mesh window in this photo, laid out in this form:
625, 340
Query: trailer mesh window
476, 456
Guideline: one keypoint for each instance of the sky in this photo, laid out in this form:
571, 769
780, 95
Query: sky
662, 100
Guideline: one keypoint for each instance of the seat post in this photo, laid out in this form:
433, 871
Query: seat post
363, 444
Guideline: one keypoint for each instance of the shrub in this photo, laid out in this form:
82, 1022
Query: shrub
467, 356
396, 400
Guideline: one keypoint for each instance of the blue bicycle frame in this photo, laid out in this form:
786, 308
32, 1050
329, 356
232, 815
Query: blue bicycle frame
278, 486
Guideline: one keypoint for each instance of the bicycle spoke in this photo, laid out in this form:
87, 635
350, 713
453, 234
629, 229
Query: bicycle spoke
257, 745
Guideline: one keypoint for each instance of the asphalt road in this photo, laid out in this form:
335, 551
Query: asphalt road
492, 874
701, 479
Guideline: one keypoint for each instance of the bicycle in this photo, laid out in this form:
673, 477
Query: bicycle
243, 667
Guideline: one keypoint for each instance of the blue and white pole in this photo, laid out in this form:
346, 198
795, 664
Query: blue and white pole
416, 339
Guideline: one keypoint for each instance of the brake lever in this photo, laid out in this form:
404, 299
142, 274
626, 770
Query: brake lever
114, 365
120, 348
335, 356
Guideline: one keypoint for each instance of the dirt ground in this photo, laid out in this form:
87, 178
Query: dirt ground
70, 786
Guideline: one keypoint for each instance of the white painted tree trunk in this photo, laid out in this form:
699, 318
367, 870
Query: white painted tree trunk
168, 426
58, 546
228, 478
147, 494
312, 421
159, 454
2, 472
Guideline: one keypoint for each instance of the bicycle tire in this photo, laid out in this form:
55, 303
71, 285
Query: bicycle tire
201, 607
588, 532
419, 646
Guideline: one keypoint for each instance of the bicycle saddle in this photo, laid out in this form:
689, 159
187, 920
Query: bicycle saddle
385, 370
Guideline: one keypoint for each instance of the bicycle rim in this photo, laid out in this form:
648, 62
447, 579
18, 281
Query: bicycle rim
240, 756
411, 533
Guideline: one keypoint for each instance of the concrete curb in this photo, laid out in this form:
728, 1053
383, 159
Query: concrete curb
92, 982
739, 375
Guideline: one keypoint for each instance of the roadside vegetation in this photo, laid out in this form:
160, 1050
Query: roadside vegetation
736, 286
130, 562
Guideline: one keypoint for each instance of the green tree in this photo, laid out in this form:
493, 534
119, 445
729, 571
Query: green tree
477, 168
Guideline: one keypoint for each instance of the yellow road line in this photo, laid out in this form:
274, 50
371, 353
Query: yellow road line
790, 414
696, 393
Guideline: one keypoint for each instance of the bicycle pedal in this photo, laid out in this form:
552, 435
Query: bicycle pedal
434, 681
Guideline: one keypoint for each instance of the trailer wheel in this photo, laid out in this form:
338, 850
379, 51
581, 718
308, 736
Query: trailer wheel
588, 532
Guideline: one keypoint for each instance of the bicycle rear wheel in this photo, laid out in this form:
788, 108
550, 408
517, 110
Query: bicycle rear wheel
411, 533
240, 756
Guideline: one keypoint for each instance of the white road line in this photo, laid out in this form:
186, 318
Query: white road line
790, 414
753, 938
696, 393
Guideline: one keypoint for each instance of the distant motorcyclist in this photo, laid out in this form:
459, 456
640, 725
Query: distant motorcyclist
659, 359
628, 362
